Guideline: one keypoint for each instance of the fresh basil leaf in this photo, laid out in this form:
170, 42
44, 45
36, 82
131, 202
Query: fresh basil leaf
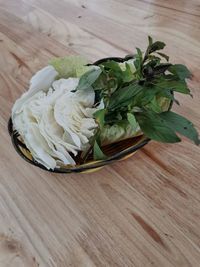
154, 105
124, 95
127, 74
163, 55
150, 40
111, 117
181, 71
97, 152
146, 95
156, 46
114, 72
181, 125
153, 61
114, 66
154, 127
164, 103
132, 121
139, 52
138, 63
112, 84
99, 115
87, 79
101, 82
161, 68
168, 94
174, 85
148, 72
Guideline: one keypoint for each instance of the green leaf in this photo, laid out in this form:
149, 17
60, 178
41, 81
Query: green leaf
139, 52
156, 46
100, 83
127, 74
167, 93
147, 72
181, 71
164, 103
150, 40
99, 115
132, 121
153, 61
87, 79
112, 84
146, 95
113, 65
97, 152
161, 68
175, 85
154, 127
114, 71
124, 95
138, 63
154, 105
163, 55
181, 125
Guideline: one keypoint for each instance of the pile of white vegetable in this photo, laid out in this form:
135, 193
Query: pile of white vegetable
55, 121
52, 120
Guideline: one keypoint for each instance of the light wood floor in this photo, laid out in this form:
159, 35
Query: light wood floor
141, 212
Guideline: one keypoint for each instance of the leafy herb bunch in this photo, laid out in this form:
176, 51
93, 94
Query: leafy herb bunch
141, 95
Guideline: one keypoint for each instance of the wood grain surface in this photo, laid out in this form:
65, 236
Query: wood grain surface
141, 212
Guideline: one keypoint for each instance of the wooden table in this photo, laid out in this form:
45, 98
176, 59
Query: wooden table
142, 212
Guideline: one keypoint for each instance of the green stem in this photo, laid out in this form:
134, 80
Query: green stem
86, 155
